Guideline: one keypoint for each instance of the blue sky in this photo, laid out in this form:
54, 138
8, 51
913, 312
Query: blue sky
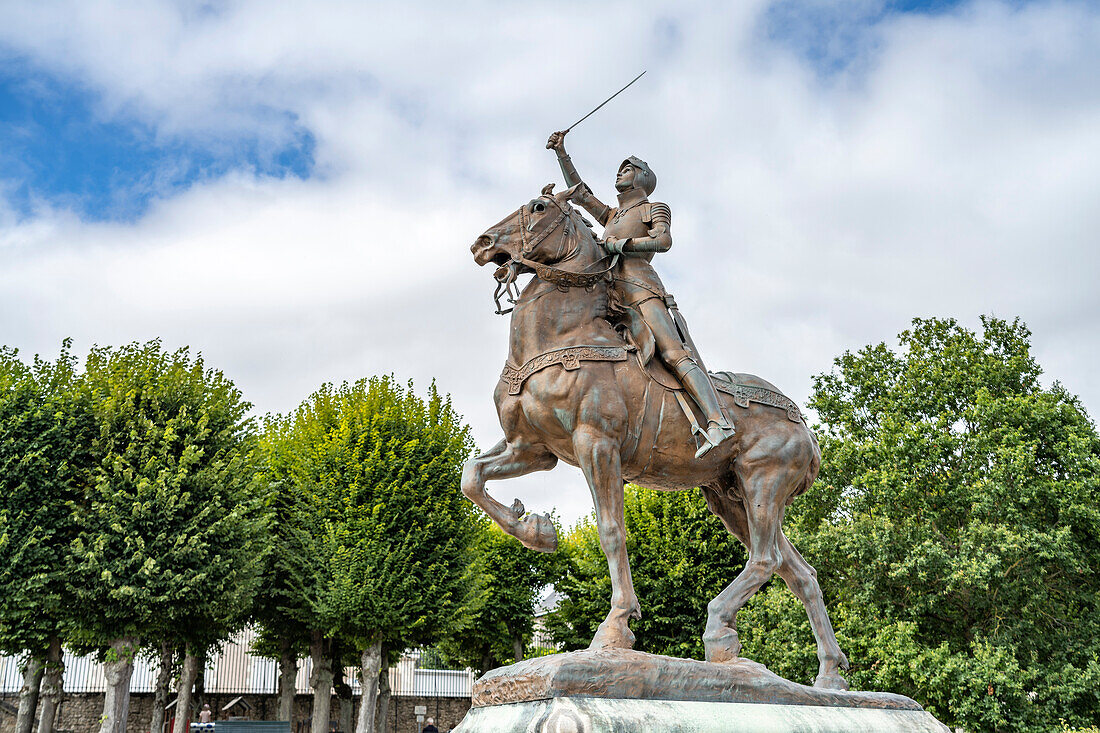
61, 147
833, 35
58, 146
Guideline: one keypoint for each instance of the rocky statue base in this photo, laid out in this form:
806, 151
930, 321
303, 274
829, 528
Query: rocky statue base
617, 691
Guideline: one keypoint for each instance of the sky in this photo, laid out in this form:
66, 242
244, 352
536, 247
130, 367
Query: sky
291, 188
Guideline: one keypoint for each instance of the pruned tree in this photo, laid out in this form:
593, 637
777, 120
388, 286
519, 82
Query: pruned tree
171, 534
295, 577
44, 432
381, 467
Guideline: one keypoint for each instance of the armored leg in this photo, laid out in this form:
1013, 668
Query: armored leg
695, 381
699, 386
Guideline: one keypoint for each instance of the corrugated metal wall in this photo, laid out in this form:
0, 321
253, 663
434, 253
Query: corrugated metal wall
236, 671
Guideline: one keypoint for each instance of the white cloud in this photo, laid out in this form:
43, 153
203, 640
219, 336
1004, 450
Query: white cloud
953, 172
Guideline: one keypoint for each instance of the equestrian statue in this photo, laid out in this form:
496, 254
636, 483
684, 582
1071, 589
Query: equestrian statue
602, 373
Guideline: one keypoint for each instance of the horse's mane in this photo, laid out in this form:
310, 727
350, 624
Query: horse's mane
574, 212
575, 215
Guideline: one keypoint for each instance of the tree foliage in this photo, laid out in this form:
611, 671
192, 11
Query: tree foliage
498, 622
44, 430
956, 526
292, 575
398, 531
681, 557
171, 534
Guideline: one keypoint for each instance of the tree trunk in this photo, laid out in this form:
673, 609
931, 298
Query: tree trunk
288, 675
200, 681
28, 694
52, 686
342, 689
343, 695
118, 669
321, 681
183, 699
383, 694
517, 647
370, 663
160, 696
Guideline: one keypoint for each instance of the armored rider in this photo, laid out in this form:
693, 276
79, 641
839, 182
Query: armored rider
637, 229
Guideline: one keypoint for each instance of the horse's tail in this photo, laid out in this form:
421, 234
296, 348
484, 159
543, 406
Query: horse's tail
811, 470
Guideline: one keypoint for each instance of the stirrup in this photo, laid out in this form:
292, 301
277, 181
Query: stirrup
710, 441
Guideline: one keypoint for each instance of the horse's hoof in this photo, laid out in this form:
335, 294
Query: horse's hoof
536, 532
612, 636
831, 681
722, 647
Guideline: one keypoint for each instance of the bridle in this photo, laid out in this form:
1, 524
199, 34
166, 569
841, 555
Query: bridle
506, 274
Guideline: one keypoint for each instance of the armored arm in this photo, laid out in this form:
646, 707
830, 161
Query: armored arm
659, 239
572, 178
588, 201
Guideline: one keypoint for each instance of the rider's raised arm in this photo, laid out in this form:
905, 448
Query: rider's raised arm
557, 144
588, 201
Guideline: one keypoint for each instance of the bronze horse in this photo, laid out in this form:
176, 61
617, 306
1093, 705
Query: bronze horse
572, 391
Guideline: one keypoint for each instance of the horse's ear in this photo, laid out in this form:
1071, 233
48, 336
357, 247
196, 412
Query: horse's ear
568, 194
548, 189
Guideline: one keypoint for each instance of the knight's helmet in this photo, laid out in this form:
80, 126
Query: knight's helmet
645, 178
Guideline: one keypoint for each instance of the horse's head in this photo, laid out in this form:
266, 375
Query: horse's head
543, 230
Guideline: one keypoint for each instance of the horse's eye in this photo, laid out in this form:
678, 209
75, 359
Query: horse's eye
539, 207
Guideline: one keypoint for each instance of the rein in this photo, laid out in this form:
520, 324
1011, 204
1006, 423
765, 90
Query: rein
506, 275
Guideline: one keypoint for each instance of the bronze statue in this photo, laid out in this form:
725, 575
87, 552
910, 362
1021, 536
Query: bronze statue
575, 389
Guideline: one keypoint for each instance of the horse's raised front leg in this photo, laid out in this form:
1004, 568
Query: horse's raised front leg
801, 578
598, 456
508, 460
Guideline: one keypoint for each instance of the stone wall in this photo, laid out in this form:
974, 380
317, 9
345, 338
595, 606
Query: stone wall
79, 712
447, 711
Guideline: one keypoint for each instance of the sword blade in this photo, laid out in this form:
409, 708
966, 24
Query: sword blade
639, 76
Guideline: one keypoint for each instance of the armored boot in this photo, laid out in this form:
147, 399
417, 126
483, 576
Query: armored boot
699, 386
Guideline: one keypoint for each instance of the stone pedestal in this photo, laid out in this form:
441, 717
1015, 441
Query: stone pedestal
602, 715
617, 691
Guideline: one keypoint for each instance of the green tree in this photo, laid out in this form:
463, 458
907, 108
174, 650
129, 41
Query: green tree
498, 623
44, 430
296, 578
379, 469
291, 576
956, 529
172, 531
680, 556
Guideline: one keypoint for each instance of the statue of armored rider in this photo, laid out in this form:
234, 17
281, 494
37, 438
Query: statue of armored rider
637, 229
